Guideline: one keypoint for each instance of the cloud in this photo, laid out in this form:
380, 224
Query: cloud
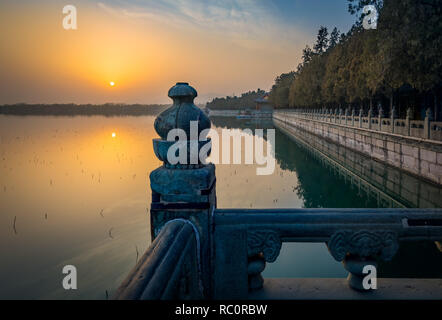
245, 20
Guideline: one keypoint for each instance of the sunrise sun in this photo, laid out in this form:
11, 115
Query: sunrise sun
112, 83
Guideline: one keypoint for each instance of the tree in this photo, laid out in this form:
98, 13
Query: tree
400, 61
321, 40
246, 101
305, 90
279, 95
336, 77
307, 55
334, 38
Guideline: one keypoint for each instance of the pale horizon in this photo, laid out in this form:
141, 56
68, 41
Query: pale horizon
220, 48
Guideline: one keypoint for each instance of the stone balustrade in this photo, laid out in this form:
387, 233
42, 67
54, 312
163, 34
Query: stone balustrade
388, 140
357, 237
422, 129
199, 251
168, 269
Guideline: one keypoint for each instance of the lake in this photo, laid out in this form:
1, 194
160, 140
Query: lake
75, 191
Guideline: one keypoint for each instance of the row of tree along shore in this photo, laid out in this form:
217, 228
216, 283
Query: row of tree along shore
245, 101
397, 64
109, 109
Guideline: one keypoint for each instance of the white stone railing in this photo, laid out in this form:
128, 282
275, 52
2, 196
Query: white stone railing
422, 129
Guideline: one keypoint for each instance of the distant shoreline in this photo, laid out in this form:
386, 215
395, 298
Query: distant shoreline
109, 110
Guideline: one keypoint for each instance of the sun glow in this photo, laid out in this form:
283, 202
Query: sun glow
114, 134
112, 83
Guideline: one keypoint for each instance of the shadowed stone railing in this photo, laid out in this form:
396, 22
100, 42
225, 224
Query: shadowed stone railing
199, 251
357, 237
168, 269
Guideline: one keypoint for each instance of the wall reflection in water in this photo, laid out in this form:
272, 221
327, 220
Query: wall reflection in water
330, 176
71, 193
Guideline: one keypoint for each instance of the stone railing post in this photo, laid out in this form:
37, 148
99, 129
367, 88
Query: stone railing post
184, 189
427, 121
353, 117
380, 115
369, 115
392, 118
407, 121
360, 117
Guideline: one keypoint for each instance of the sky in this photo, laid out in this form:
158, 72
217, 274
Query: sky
221, 47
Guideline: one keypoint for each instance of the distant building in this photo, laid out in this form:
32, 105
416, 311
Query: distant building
263, 104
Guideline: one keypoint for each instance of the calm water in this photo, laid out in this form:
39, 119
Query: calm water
71, 193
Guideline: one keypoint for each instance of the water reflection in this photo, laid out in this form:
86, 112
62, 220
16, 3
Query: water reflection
71, 193
323, 175
389, 186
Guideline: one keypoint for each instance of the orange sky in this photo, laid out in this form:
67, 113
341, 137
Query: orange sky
144, 51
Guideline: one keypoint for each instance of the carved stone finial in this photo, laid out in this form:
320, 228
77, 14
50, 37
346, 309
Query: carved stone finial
429, 114
393, 112
180, 116
409, 113
181, 113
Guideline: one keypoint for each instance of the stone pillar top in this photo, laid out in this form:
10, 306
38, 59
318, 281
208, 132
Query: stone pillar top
182, 112
181, 90
429, 114
183, 115
393, 112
